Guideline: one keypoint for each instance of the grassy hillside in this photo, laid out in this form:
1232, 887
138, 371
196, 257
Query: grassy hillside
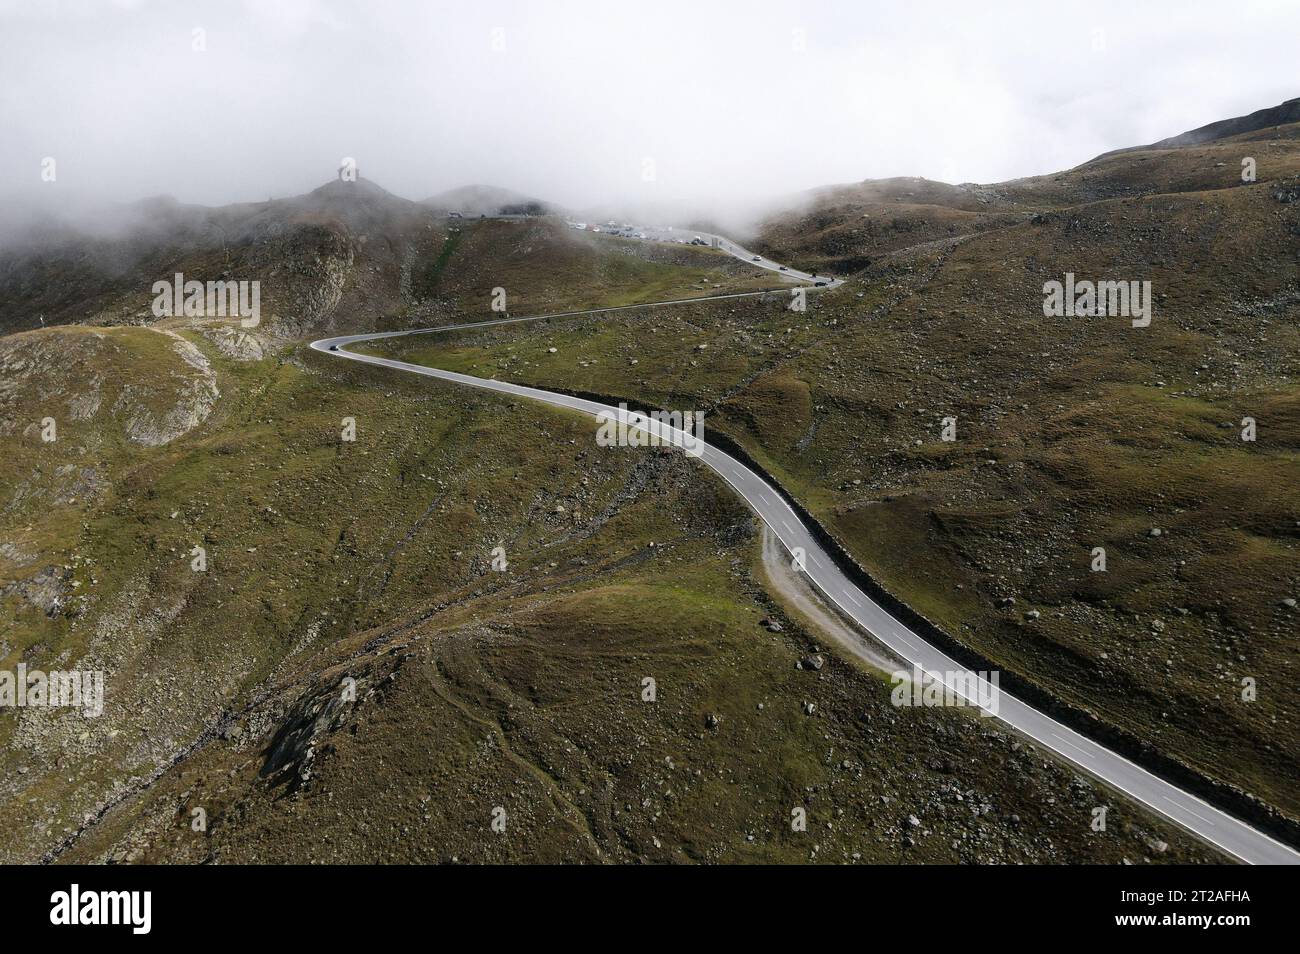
1072, 434
476, 688
330, 560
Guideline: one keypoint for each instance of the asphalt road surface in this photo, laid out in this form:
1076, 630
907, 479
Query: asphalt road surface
1220, 829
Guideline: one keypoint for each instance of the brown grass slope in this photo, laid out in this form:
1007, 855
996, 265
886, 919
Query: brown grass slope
476, 689
1073, 433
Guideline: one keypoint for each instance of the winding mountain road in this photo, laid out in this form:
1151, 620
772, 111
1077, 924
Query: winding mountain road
1230, 834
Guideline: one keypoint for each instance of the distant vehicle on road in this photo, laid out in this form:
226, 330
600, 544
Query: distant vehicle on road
334, 347
784, 269
755, 259
454, 215
820, 284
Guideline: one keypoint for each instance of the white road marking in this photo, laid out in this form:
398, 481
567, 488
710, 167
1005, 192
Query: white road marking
1084, 752
1188, 810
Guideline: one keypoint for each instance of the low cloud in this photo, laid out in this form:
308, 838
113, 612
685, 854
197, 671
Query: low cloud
671, 104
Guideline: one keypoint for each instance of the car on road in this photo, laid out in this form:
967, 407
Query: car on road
784, 269
755, 259
334, 347
820, 284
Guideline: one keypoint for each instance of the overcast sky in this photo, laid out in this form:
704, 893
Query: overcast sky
706, 101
